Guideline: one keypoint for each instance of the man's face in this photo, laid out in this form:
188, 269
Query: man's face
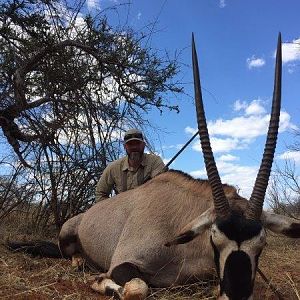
135, 149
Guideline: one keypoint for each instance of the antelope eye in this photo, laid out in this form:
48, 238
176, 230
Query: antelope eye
213, 231
216, 236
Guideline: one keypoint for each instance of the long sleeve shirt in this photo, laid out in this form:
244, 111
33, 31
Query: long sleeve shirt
119, 176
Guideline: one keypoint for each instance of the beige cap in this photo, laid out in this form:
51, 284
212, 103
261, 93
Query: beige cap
133, 135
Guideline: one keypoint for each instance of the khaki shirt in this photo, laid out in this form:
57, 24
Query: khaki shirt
114, 174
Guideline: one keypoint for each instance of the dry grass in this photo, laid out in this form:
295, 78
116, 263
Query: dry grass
23, 277
281, 264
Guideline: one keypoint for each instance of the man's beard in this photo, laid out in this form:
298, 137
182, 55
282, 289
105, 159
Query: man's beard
135, 156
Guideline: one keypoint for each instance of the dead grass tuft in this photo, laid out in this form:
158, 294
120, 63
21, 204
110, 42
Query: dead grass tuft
200, 290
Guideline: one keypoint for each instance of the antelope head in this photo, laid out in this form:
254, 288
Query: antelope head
238, 238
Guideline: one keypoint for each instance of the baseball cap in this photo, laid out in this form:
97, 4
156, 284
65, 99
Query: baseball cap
133, 135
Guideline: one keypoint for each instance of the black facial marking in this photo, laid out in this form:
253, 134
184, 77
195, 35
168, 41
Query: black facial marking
237, 228
293, 231
182, 238
237, 283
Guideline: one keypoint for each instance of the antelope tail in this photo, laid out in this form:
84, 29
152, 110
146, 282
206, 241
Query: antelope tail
36, 248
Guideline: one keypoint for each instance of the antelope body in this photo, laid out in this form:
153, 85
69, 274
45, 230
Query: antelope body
133, 227
126, 236
133, 237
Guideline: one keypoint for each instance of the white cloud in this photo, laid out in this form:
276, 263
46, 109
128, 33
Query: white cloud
254, 62
221, 145
166, 160
190, 130
222, 3
255, 108
242, 177
285, 122
290, 51
238, 105
228, 157
199, 173
139, 15
290, 155
248, 127
291, 67
177, 147
92, 4
239, 132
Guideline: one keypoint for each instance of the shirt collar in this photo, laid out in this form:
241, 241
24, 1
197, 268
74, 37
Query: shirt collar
126, 164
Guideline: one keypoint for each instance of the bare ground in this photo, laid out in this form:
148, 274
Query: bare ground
23, 277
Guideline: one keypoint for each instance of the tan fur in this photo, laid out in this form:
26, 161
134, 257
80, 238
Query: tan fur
127, 234
135, 225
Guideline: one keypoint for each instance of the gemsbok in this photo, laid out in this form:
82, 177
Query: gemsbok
175, 229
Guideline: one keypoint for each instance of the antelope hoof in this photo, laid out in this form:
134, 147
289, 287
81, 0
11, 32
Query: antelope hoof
135, 289
106, 286
77, 261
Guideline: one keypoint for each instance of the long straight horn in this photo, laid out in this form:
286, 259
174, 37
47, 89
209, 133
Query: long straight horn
258, 195
220, 202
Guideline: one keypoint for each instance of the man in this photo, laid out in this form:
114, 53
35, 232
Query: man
130, 171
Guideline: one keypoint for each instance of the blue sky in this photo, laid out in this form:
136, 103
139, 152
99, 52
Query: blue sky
236, 42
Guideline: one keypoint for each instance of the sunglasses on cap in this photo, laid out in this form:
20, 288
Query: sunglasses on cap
133, 136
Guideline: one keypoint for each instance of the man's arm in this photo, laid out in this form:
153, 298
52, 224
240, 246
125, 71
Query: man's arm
104, 185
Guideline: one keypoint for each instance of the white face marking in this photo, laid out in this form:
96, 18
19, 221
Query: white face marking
225, 246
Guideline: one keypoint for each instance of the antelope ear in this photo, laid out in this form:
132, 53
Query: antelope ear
281, 224
194, 228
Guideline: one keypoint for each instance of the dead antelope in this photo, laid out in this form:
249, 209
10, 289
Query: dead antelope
131, 237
